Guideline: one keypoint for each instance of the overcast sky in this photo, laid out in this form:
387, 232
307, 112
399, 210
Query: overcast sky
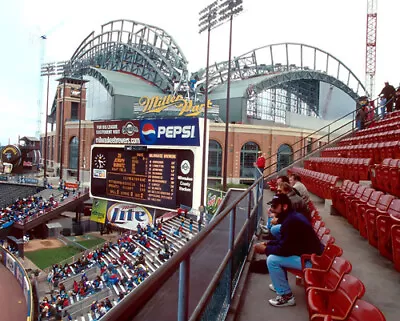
335, 26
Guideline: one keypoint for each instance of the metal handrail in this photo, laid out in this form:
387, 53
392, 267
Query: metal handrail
146, 289
322, 137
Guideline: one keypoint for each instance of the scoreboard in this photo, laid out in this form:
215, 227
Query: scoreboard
155, 177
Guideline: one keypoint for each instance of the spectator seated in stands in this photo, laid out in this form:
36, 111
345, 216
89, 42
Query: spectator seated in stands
297, 201
297, 238
295, 181
24, 209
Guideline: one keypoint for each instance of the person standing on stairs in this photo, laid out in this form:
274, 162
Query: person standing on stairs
361, 116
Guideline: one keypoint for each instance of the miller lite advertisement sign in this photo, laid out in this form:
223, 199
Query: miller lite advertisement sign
121, 215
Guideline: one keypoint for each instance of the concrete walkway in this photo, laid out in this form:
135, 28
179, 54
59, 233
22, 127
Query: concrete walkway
377, 273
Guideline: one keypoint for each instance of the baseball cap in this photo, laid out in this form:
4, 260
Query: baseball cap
280, 199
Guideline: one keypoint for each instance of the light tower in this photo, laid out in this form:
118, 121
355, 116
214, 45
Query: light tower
370, 59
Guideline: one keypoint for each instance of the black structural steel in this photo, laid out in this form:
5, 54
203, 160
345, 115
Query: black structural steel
137, 48
311, 62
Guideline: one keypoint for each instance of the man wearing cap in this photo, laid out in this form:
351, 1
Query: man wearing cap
297, 238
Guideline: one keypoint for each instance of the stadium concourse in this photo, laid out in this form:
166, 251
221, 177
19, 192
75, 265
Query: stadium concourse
356, 185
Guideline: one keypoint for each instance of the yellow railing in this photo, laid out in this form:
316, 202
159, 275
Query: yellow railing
16, 268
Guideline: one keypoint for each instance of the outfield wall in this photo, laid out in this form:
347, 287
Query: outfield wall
16, 268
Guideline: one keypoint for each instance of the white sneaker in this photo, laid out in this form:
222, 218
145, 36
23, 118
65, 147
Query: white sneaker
272, 288
283, 301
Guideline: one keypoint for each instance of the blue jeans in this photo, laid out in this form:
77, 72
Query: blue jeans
276, 266
276, 231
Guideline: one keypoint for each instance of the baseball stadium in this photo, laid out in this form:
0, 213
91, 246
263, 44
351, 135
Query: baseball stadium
162, 193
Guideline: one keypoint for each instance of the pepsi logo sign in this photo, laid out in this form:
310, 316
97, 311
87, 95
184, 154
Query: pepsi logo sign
149, 133
180, 132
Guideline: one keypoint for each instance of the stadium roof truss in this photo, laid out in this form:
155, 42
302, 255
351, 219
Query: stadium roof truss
301, 61
133, 47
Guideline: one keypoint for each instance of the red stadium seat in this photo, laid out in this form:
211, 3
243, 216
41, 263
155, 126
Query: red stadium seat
339, 302
395, 235
371, 215
327, 239
361, 311
357, 196
384, 225
314, 278
355, 203
361, 210
394, 180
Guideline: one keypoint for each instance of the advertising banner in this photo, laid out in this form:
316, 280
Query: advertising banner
126, 216
171, 132
117, 132
214, 199
19, 274
3, 178
99, 211
10, 263
69, 185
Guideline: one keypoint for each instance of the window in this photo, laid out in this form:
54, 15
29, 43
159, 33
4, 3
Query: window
309, 144
284, 157
248, 156
214, 159
74, 111
73, 153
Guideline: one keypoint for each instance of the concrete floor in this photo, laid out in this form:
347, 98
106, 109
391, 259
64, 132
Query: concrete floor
382, 282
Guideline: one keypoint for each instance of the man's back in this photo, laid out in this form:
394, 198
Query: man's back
298, 237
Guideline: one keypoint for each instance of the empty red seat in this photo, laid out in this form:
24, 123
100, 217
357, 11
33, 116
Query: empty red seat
352, 216
336, 303
384, 225
357, 195
394, 179
372, 214
395, 236
361, 212
314, 278
361, 311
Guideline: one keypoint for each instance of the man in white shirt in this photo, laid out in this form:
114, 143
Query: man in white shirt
296, 183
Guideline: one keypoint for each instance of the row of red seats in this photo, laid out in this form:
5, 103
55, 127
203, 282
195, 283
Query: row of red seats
389, 118
331, 292
375, 214
317, 183
376, 151
380, 126
384, 136
386, 176
355, 169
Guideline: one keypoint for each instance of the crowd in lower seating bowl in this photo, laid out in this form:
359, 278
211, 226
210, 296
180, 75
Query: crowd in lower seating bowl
126, 254
24, 208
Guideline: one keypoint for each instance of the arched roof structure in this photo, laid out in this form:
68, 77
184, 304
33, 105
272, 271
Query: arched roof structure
133, 47
300, 61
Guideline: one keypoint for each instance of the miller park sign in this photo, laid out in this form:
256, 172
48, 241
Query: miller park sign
178, 106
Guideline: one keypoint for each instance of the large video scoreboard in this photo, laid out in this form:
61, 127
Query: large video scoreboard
156, 177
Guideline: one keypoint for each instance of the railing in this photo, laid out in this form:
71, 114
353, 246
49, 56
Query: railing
216, 298
17, 269
320, 138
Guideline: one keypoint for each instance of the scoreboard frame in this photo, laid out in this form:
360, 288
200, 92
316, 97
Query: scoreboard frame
193, 200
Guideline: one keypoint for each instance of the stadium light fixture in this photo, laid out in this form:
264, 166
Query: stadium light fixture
227, 10
48, 70
208, 20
